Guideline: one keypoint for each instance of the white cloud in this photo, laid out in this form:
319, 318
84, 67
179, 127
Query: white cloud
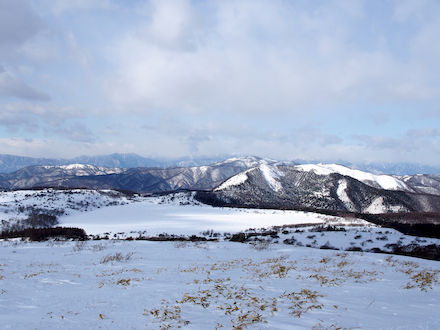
259, 57
12, 86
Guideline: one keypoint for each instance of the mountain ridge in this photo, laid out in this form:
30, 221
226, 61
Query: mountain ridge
139, 179
11, 163
284, 186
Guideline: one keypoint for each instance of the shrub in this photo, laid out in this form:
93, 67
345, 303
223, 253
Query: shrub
354, 248
240, 237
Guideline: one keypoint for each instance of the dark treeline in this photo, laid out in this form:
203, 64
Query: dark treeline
43, 234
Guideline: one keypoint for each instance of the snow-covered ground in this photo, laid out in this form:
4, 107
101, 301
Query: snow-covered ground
179, 215
164, 285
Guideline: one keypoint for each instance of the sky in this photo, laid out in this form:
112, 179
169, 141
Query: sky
357, 81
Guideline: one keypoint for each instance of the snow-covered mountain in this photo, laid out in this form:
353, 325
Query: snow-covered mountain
320, 187
251, 181
423, 183
51, 175
12, 163
419, 183
82, 169
378, 181
135, 179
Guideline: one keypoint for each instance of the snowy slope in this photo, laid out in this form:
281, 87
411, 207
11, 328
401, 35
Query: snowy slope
236, 180
84, 170
249, 161
378, 181
269, 172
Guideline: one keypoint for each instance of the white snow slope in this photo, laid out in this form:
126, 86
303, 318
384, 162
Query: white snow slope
380, 181
236, 180
164, 285
84, 170
271, 175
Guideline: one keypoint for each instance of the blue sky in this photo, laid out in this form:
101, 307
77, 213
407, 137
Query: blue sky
334, 80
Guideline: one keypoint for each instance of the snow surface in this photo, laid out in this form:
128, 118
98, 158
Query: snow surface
85, 169
177, 215
249, 161
378, 206
382, 181
108, 211
343, 196
236, 180
271, 175
161, 285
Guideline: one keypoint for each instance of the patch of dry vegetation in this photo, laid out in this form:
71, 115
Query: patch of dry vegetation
423, 279
119, 257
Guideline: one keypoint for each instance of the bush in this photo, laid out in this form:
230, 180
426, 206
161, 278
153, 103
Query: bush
354, 248
240, 237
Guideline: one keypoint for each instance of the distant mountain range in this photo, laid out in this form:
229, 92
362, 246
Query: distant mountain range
139, 179
396, 168
11, 163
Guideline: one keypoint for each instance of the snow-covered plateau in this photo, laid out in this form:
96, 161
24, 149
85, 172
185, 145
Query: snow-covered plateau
298, 270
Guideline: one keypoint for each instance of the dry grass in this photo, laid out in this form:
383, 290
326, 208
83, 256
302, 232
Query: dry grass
423, 279
169, 316
116, 257
303, 301
124, 282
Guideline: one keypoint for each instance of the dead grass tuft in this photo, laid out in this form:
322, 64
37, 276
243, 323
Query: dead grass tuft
116, 257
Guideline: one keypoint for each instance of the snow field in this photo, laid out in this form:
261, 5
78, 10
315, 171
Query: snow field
156, 285
181, 217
